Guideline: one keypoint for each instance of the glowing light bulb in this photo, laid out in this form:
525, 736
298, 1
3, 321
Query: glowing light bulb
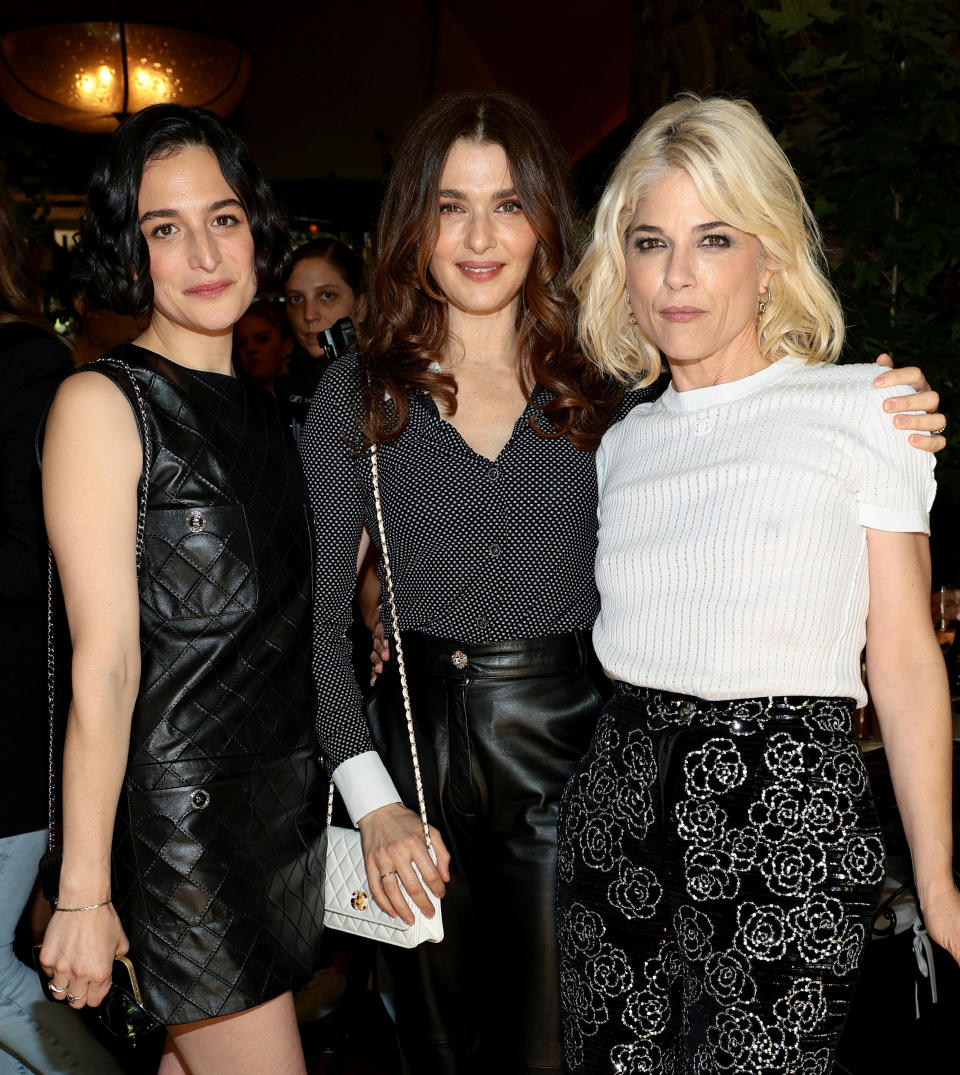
105, 75
142, 78
85, 83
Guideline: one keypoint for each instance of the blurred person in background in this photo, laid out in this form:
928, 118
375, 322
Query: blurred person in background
262, 344
35, 1035
324, 282
94, 332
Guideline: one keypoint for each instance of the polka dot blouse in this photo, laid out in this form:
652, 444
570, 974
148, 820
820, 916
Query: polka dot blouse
481, 550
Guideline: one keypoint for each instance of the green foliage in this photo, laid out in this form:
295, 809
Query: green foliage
796, 15
866, 98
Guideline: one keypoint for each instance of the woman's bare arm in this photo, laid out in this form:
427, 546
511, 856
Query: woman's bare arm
92, 460
908, 685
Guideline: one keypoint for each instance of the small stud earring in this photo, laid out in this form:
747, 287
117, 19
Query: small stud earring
761, 306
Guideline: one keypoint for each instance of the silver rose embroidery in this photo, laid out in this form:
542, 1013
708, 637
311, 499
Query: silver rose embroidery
636, 892
715, 768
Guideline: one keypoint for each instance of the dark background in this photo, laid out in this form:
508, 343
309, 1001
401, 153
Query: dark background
864, 95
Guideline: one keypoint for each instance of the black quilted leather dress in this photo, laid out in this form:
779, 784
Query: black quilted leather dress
218, 846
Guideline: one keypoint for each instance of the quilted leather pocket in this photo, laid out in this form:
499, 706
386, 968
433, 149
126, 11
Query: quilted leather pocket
207, 851
183, 839
199, 562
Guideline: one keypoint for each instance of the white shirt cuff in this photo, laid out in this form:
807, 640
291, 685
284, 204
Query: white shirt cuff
365, 784
897, 520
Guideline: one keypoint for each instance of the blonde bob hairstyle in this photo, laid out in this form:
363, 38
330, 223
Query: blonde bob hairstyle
744, 178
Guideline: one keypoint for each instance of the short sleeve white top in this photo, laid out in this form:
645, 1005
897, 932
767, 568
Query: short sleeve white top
732, 555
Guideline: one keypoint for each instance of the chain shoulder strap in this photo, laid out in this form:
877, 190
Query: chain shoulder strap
147, 442
401, 664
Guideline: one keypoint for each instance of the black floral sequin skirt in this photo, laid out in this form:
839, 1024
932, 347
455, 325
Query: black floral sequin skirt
719, 864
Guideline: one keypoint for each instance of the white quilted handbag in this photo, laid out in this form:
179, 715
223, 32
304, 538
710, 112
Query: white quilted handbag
347, 903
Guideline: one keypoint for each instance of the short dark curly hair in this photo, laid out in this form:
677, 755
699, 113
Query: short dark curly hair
111, 268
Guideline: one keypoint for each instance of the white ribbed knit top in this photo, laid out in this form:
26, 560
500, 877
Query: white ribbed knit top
732, 554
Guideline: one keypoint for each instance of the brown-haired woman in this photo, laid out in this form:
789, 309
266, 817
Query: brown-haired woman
485, 418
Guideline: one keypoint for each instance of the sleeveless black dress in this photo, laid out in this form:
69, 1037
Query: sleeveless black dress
218, 844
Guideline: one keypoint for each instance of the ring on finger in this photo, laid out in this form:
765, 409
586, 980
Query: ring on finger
71, 998
58, 988
384, 876
939, 432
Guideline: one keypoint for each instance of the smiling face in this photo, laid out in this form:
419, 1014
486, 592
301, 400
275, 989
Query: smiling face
485, 242
693, 283
316, 297
199, 244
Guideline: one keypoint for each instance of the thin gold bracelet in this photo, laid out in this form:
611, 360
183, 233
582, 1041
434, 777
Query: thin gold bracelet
89, 907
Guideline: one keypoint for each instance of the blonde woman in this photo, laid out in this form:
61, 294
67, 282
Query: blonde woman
719, 856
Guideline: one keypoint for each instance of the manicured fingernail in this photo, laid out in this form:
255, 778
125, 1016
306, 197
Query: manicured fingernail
899, 421
882, 379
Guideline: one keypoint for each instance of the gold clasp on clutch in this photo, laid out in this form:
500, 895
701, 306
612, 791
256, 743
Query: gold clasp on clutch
359, 900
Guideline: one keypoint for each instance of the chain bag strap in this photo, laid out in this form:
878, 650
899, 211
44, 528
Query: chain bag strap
347, 903
51, 892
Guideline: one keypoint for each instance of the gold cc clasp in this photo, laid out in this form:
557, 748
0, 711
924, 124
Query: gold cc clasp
359, 900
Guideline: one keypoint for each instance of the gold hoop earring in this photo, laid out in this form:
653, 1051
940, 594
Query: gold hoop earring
632, 318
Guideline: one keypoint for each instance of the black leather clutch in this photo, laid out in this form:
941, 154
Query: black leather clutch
121, 1012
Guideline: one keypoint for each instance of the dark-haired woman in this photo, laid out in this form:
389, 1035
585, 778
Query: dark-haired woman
485, 418
323, 283
189, 760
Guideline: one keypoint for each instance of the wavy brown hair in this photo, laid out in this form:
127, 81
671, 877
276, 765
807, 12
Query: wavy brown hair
404, 326
20, 295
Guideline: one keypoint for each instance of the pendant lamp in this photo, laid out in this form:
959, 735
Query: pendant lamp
86, 76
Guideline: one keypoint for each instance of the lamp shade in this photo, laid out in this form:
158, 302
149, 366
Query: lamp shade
87, 76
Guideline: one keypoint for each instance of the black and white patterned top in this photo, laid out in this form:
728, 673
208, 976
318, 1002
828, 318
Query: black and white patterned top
480, 550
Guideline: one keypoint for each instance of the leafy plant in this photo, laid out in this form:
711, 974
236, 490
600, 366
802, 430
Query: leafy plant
866, 95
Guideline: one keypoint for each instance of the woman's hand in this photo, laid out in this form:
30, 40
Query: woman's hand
924, 399
78, 952
393, 843
379, 653
941, 914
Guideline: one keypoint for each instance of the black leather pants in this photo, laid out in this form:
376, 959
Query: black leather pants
500, 727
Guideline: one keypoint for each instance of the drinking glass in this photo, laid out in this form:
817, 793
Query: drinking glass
945, 605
